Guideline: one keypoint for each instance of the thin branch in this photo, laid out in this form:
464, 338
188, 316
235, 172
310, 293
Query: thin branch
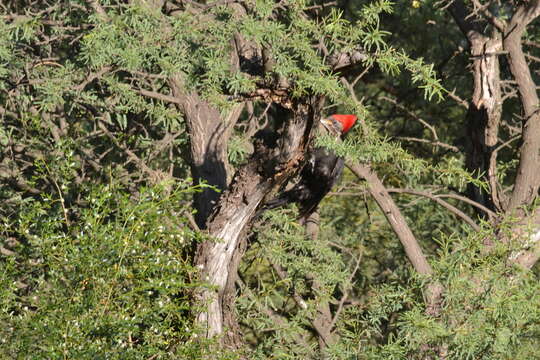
91, 77
434, 143
441, 202
94, 4
191, 220
159, 96
282, 274
413, 115
431, 128
350, 87
490, 213
345, 293
460, 101
493, 183
155, 175
279, 320
322, 332
484, 10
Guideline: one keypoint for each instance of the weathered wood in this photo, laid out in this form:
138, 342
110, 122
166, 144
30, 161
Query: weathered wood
236, 209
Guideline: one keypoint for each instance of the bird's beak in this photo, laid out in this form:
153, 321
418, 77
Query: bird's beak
329, 125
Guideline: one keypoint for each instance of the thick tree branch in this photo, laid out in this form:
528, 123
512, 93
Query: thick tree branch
412, 249
484, 111
393, 215
209, 134
528, 177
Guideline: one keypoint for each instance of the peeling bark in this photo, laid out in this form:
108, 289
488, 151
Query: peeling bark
484, 118
484, 111
235, 210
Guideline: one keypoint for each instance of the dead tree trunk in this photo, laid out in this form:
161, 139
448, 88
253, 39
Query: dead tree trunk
485, 107
505, 39
234, 212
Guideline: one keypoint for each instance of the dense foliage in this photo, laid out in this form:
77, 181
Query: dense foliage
101, 183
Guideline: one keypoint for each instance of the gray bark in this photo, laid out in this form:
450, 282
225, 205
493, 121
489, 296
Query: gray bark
217, 259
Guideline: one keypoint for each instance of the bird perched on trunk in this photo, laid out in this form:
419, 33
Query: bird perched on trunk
320, 172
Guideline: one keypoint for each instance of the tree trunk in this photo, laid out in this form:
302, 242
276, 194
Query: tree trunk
218, 260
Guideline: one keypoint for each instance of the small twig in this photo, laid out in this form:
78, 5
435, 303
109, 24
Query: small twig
91, 77
158, 96
460, 101
489, 212
191, 220
282, 274
279, 320
155, 175
62, 202
94, 4
322, 6
414, 116
345, 82
484, 10
345, 293
361, 75
492, 173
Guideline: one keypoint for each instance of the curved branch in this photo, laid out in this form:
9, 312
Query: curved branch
528, 178
489, 212
454, 210
376, 188
392, 213
465, 199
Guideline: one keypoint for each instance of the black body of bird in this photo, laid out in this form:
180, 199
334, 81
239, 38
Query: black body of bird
319, 174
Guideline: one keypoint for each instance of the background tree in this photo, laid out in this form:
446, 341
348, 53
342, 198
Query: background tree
141, 137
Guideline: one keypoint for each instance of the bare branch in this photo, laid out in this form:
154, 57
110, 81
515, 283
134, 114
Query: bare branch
484, 10
460, 101
279, 320
94, 4
434, 143
159, 96
443, 203
528, 177
394, 217
323, 332
346, 292
431, 128
91, 77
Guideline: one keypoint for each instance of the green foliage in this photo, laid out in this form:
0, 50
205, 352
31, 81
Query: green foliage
490, 311
96, 252
376, 150
114, 283
314, 271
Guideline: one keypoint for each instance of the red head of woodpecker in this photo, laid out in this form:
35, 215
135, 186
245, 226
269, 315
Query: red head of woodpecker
319, 173
339, 124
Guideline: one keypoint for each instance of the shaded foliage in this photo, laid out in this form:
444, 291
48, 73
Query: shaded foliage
97, 237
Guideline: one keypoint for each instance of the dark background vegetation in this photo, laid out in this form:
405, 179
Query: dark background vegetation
139, 139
